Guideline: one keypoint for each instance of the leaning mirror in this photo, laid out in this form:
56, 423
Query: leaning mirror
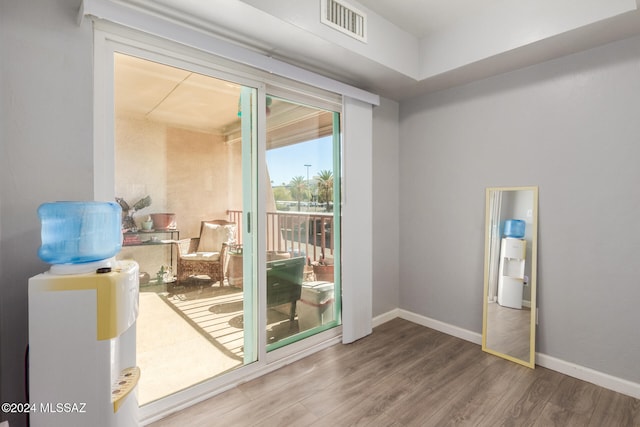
509, 307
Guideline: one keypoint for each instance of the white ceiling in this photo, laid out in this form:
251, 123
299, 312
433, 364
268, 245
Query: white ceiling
414, 46
424, 17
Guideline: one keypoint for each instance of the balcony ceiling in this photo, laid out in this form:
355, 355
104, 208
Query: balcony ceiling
146, 90
414, 46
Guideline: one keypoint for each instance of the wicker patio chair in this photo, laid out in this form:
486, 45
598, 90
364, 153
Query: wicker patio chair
206, 254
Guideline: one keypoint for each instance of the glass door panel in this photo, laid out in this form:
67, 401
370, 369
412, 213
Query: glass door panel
184, 154
302, 223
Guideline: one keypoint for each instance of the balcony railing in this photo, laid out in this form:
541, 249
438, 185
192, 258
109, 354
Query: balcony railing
302, 233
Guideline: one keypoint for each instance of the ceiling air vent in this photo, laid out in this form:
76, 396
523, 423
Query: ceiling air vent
345, 18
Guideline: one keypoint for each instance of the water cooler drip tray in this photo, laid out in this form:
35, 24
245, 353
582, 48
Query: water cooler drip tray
126, 382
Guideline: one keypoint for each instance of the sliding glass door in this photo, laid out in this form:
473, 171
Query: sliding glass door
302, 221
231, 207
185, 156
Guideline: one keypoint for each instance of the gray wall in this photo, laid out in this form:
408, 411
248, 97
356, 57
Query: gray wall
386, 224
569, 126
46, 141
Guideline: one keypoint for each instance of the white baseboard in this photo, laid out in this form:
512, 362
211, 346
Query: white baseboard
590, 375
385, 317
447, 328
601, 379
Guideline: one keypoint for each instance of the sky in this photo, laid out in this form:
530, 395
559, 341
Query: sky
287, 162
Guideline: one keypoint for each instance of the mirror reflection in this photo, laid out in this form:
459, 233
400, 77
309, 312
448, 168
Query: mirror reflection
510, 273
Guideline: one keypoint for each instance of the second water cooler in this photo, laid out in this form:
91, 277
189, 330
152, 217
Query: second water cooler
511, 272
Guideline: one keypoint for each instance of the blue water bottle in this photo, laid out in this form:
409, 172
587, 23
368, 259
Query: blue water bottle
79, 232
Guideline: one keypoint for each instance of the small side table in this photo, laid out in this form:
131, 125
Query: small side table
234, 266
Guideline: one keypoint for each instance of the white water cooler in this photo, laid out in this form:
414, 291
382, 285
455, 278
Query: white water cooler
511, 272
82, 345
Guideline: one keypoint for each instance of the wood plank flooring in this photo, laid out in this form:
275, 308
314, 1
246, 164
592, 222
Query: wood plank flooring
408, 375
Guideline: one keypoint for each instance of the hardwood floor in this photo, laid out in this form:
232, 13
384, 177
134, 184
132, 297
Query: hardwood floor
408, 375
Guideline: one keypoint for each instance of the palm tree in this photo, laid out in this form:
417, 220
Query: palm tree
298, 188
325, 187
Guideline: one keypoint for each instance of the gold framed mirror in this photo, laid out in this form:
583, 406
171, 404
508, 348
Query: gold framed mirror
510, 264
